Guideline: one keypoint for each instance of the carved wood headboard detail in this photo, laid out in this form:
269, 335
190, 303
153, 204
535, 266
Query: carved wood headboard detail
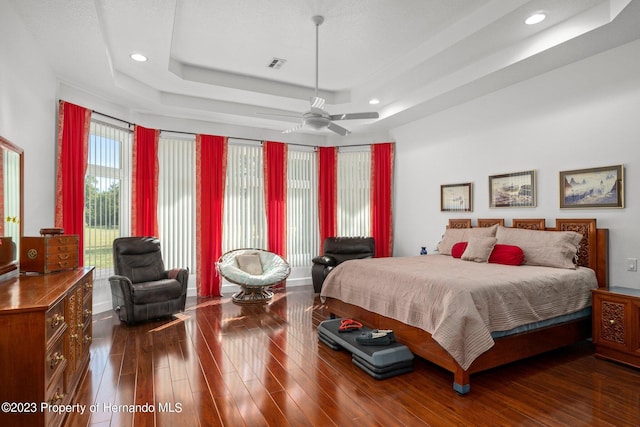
489, 222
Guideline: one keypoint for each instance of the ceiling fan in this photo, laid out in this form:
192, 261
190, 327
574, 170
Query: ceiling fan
318, 118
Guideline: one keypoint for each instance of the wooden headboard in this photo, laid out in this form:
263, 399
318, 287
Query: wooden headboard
594, 247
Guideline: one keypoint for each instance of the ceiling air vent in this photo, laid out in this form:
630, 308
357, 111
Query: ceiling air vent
276, 63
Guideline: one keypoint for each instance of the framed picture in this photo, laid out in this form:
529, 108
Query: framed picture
455, 198
592, 188
513, 190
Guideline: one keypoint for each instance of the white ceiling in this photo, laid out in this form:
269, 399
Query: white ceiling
208, 58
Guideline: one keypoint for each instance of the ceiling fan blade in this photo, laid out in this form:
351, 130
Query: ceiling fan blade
338, 129
354, 116
317, 102
297, 116
293, 129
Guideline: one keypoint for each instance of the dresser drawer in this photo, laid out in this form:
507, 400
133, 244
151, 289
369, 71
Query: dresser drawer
55, 321
55, 395
55, 362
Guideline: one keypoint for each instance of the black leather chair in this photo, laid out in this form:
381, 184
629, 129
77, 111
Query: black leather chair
336, 251
142, 289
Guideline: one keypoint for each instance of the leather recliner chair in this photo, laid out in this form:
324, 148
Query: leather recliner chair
336, 251
141, 288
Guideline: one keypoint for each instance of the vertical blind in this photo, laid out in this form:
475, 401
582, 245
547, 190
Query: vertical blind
176, 201
302, 207
354, 183
245, 224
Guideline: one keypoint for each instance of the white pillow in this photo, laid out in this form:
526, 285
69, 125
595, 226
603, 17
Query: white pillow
546, 248
455, 235
479, 249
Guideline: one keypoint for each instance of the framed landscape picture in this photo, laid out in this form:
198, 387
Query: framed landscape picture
592, 188
511, 190
455, 197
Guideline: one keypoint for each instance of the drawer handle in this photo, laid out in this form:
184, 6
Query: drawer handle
88, 286
87, 313
73, 336
611, 321
86, 339
56, 320
63, 256
57, 397
80, 325
63, 264
57, 358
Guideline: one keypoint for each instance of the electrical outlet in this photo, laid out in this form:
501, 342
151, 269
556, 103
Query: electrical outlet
632, 264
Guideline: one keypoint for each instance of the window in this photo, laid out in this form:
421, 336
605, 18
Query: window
107, 194
302, 207
354, 192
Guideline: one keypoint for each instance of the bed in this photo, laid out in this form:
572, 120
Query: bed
464, 330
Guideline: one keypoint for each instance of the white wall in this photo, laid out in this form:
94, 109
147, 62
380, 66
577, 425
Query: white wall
583, 115
28, 110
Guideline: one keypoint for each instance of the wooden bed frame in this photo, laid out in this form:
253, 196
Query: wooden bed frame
593, 253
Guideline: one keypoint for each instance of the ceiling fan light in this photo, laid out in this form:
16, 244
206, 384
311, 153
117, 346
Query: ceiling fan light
316, 122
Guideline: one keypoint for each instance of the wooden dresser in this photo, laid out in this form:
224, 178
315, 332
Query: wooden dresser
44, 344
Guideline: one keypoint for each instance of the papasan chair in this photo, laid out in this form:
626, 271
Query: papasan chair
255, 270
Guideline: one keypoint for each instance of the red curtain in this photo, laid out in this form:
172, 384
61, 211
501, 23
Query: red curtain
275, 196
73, 148
211, 176
144, 193
327, 193
382, 197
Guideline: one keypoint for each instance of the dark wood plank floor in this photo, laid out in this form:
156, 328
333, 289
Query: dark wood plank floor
223, 364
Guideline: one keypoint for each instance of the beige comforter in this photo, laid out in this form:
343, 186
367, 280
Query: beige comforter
460, 302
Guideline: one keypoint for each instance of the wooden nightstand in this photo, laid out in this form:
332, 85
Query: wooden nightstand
616, 324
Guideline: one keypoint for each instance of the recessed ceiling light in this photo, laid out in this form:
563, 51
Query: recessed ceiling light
138, 57
374, 101
536, 18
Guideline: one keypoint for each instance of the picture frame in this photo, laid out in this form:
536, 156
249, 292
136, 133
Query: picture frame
601, 187
456, 197
513, 190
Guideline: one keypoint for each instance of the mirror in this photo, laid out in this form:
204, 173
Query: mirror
11, 204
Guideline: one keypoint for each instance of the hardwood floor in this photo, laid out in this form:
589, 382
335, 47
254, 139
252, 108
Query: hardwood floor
223, 364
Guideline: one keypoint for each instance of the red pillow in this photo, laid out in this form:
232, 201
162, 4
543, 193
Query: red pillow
458, 249
506, 254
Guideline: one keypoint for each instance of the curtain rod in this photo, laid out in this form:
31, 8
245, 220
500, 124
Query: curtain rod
315, 147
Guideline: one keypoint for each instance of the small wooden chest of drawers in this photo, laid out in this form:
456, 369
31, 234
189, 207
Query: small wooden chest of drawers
47, 254
616, 324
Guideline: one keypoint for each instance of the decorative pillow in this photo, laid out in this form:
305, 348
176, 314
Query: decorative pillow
250, 263
507, 255
458, 249
455, 235
479, 249
546, 248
